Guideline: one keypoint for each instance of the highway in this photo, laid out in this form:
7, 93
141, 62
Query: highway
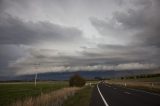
111, 95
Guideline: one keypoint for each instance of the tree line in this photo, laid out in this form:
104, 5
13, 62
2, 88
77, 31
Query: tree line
141, 76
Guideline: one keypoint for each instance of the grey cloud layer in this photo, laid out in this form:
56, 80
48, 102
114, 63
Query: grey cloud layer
143, 25
15, 31
133, 31
143, 22
87, 62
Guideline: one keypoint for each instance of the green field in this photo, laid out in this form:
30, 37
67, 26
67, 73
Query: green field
81, 98
10, 92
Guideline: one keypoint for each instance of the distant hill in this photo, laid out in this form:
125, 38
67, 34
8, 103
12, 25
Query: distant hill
85, 74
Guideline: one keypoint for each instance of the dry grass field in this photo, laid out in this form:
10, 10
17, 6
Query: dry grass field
55, 98
148, 84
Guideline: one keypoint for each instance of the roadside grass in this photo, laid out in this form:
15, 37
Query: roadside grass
147, 84
92, 81
54, 98
81, 98
11, 92
149, 89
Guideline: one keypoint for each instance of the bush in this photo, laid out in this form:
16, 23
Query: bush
77, 80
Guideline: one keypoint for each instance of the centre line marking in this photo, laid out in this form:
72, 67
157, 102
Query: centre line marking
127, 92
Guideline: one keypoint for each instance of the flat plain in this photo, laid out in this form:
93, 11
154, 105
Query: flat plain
148, 84
11, 92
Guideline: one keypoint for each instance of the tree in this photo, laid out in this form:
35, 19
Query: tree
77, 80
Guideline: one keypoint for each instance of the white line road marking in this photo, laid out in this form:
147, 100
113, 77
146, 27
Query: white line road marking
143, 91
127, 92
107, 85
102, 96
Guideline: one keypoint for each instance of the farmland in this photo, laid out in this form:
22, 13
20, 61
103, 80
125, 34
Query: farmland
11, 92
148, 84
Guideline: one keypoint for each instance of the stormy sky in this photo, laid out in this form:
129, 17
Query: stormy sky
74, 35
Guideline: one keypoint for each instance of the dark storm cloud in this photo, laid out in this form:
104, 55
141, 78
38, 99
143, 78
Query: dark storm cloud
25, 38
8, 54
15, 31
116, 54
16, 34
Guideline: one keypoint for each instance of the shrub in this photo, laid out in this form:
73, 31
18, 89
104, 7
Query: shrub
77, 80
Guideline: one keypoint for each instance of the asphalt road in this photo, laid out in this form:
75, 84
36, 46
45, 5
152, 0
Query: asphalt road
109, 95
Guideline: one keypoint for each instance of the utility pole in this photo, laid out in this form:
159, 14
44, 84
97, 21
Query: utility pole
35, 80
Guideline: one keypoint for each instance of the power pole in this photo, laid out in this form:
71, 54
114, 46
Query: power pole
35, 80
